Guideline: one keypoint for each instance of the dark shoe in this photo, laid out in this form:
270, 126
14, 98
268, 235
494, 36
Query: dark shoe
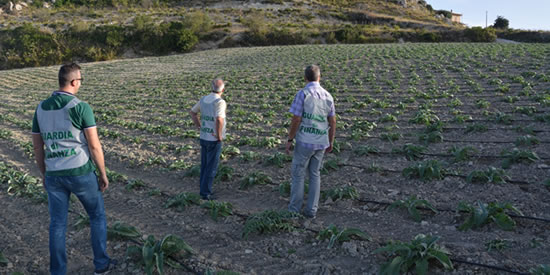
210, 197
111, 266
309, 216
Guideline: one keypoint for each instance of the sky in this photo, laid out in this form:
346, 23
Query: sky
522, 14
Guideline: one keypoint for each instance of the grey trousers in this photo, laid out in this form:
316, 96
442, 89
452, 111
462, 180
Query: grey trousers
305, 160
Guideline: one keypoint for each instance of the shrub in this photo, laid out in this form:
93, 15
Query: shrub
479, 34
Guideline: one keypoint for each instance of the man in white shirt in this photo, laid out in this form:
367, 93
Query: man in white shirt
212, 132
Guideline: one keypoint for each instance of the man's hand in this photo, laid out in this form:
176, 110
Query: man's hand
329, 149
288, 147
103, 182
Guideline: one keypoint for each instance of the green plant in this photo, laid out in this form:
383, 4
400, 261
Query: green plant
255, 178
224, 173
153, 254
482, 213
250, 156
193, 171
542, 269
417, 253
335, 235
182, 200
284, 188
223, 209
476, 128
122, 231
497, 245
430, 137
491, 175
278, 159
3, 260
270, 221
82, 221
515, 156
424, 116
425, 170
527, 140
229, 151
462, 154
338, 193
410, 151
365, 150
330, 164
391, 137
134, 184
412, 204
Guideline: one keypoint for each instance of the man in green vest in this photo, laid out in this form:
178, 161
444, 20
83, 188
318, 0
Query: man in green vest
66, 147
212, 132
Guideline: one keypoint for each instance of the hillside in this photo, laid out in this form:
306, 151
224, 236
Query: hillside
85, 30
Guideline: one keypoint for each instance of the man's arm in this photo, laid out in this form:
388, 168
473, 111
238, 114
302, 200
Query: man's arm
96, 153
219, 128
38, 146
293, 130
331, 132
195, 118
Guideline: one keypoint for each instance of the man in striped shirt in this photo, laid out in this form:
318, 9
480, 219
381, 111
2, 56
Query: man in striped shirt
313, 126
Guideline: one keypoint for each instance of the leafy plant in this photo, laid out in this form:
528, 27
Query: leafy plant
338, 193
270, 221
410, 151
278, 159
122, 231
412, 204
462, 154
476, 128
542, 269
482, 213
515, 156
82, 221
527, 140
417, 253
425, 170
284, 188
3, 260
134, 184
155, 253
431, 137
391, 137
365, 150
182, 200
497, 245
223, 209
424, 116
250, 156
491, 175
255, 178
193, 171
330, 164
224, 173
335, 235
229, 151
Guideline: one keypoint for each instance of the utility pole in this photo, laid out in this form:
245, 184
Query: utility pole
486, 13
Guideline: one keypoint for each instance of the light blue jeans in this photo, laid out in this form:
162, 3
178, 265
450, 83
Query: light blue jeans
305, 160
86, 188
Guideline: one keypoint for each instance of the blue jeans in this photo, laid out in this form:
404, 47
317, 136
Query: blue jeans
310, 160
86, 188
210, 158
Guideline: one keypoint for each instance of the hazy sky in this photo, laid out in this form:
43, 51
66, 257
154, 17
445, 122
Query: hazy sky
522, 14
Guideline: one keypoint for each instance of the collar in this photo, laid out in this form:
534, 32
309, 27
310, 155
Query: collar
313, 83
62, 93
216, 94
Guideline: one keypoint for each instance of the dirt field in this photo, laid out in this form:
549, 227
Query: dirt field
398, 106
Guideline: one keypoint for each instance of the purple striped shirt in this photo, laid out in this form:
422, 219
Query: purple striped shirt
297, 108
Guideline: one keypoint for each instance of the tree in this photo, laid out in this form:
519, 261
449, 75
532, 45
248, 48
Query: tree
501, 23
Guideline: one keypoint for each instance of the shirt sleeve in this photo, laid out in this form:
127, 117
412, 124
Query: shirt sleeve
196, 108
332, 108
82, 116
297, 107
221, 106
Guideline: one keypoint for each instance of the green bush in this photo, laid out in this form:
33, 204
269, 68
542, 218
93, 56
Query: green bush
479, 34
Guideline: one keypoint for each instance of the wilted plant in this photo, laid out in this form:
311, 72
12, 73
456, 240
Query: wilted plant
182, 200
482, 213
497, 245
122, 231
515, 156
278, 159
426, 170
338, 193
223, 209
270, 221
410, 151
527, 140
412, 204
134, 184
418, 253
335, 235
255, 178
462, 154
491, 175
365, 150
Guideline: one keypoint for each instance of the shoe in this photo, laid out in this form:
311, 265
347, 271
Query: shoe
111, 266
309, 216
210, 197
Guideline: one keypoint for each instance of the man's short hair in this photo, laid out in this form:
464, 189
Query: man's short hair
312, 73
67, 73
217, 85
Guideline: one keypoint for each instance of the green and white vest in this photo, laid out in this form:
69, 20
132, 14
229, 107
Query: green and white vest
208, 120
66, 146
314, 126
